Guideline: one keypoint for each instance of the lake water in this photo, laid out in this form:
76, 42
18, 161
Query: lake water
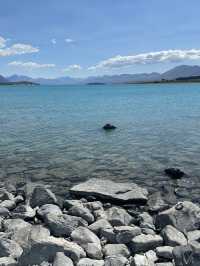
53, 134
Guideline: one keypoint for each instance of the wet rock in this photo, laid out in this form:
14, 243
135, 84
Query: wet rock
9, 248
100, 225
185, 216
109, 127
62, 260
143, 243
24, 212
63, 225
156, 202
8, 261
124, 234
164, 252
116, 261
172, 237
118, 216
88, 241
116, 249
82, 212
48, 209
90, 262
109, 190
174, 173
41, 196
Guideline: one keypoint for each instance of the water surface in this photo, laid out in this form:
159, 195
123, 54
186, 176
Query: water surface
53, 134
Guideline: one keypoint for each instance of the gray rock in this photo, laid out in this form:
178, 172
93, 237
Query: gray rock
151, 256
143, 243
41, 196
9, 248
118, 216
107, 189
8, 204
18, 230
172, 237
62, 260
47, 209
82, 212
193, 235
156, 202
42, 249
24, 212
88, 241
67, 204
124, 234
90, 262
7, 261
100, 225
116, 249
4, 212
185, 216
186, 256
109, 235
164, 264
63, 225
94, 206
99, 214
164, 252
18, 199
116, 261
5, 195
140, 260
146, 221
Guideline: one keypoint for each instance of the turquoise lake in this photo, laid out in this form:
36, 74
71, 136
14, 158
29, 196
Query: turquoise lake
53, 134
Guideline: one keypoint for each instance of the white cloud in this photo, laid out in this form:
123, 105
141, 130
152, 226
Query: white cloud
2, 42
18, 49
72, 68
53, 41
30, 65
68, 40
148, 58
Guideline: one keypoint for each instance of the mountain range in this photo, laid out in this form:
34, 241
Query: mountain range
182, 71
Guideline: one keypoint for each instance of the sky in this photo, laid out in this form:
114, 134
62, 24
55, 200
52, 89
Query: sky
79, 38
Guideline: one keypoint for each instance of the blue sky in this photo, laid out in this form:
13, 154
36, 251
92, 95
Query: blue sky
51, 38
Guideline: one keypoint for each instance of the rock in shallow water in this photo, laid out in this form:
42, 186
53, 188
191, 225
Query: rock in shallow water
109, 190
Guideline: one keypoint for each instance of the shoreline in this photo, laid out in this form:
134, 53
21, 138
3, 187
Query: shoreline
101, 223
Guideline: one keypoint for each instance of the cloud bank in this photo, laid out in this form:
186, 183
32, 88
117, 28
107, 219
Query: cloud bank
16, 49
148, 58
30, 65
68, 40
72, 67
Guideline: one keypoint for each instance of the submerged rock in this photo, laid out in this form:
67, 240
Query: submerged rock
109, 127
174, 173
109, 190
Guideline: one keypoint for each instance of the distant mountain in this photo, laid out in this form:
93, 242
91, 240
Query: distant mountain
3, 80
182, 71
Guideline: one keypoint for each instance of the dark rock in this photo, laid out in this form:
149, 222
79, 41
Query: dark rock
109, 127
186, 256
174, 173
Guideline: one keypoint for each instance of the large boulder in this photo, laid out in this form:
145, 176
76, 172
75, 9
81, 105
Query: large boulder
41, 195
88, 241
63, 225
47, 209
109, 190
185, 216
62, 260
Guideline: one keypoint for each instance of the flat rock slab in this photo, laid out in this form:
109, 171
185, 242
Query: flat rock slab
109, 190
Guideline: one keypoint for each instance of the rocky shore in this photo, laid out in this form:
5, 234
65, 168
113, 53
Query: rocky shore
102, 223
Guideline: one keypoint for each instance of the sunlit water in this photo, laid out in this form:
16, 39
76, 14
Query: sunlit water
53, 134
